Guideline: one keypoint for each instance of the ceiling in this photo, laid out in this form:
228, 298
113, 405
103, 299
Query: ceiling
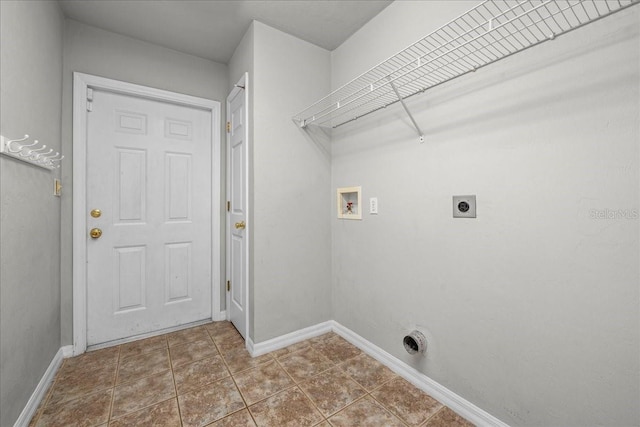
213, 28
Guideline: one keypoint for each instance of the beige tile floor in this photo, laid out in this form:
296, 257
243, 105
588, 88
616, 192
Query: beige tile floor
203, 376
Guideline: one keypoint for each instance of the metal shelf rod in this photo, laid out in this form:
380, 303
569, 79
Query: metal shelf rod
420, 133
493, 30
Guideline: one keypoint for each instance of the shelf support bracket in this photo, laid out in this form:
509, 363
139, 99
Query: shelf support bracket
420, 133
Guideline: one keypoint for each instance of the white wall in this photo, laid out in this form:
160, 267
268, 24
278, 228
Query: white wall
31, 82
94, 51
531, 310
291, 188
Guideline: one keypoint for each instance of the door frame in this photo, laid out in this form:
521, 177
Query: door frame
242, 85
82, 82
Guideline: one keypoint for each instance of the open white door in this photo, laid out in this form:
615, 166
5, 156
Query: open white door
237, 207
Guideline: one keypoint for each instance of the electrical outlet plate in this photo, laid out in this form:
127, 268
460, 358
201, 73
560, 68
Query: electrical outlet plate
373, 206
464, 206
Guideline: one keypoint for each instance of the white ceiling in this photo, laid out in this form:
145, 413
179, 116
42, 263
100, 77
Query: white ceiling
213, 28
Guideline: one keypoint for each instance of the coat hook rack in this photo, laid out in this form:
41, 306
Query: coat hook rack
18, 149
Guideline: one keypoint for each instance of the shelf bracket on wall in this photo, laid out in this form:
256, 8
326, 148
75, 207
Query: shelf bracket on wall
420, 133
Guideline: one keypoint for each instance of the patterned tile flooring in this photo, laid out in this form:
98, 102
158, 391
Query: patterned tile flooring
203, 376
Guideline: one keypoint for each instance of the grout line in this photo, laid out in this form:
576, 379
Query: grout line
115, 381
432, 416
368, 393
293, 383
351, 403
324, 417
119, 417
141, 378
336, 365
175, 386
402, 421
378, 387
146, 349
382, 405
234, 382
144, 376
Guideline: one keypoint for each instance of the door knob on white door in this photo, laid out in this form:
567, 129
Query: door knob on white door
240, 225
95, 233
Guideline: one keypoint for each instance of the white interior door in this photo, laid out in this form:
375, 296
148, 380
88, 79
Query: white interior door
237, 206
149, 174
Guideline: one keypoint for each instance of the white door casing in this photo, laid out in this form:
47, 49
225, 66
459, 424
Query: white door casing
167, 240
238, 226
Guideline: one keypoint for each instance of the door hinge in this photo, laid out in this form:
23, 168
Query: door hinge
228, 127
228, 206
228, 285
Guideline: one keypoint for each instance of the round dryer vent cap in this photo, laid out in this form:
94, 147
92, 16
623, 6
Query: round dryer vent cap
415, 342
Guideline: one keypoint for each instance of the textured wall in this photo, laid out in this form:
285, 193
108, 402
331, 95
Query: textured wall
291, 188
30, 97
531, 310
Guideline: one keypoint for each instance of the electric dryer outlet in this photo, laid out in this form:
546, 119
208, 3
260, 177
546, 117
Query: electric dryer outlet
464, 206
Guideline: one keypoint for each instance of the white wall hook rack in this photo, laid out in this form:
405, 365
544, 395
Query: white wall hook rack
491, 31
18, 149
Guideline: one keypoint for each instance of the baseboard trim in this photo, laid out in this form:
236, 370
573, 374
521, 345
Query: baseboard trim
439, 392
249, 346
288, 339
219, 316
67, 351
41, 389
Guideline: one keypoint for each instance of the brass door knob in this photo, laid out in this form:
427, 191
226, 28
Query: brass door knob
96, 213
95, 233
240, 225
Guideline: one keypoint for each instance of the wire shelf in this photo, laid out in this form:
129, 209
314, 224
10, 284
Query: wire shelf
493, 30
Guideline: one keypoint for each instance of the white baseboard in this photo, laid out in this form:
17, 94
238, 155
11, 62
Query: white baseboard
219, 316
249, 346
67, 351
288, 339
41, 389
434, 389
445, 396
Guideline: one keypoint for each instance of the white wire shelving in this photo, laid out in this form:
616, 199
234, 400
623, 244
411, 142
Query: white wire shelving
493, 30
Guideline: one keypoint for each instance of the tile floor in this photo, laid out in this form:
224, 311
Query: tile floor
203, 376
